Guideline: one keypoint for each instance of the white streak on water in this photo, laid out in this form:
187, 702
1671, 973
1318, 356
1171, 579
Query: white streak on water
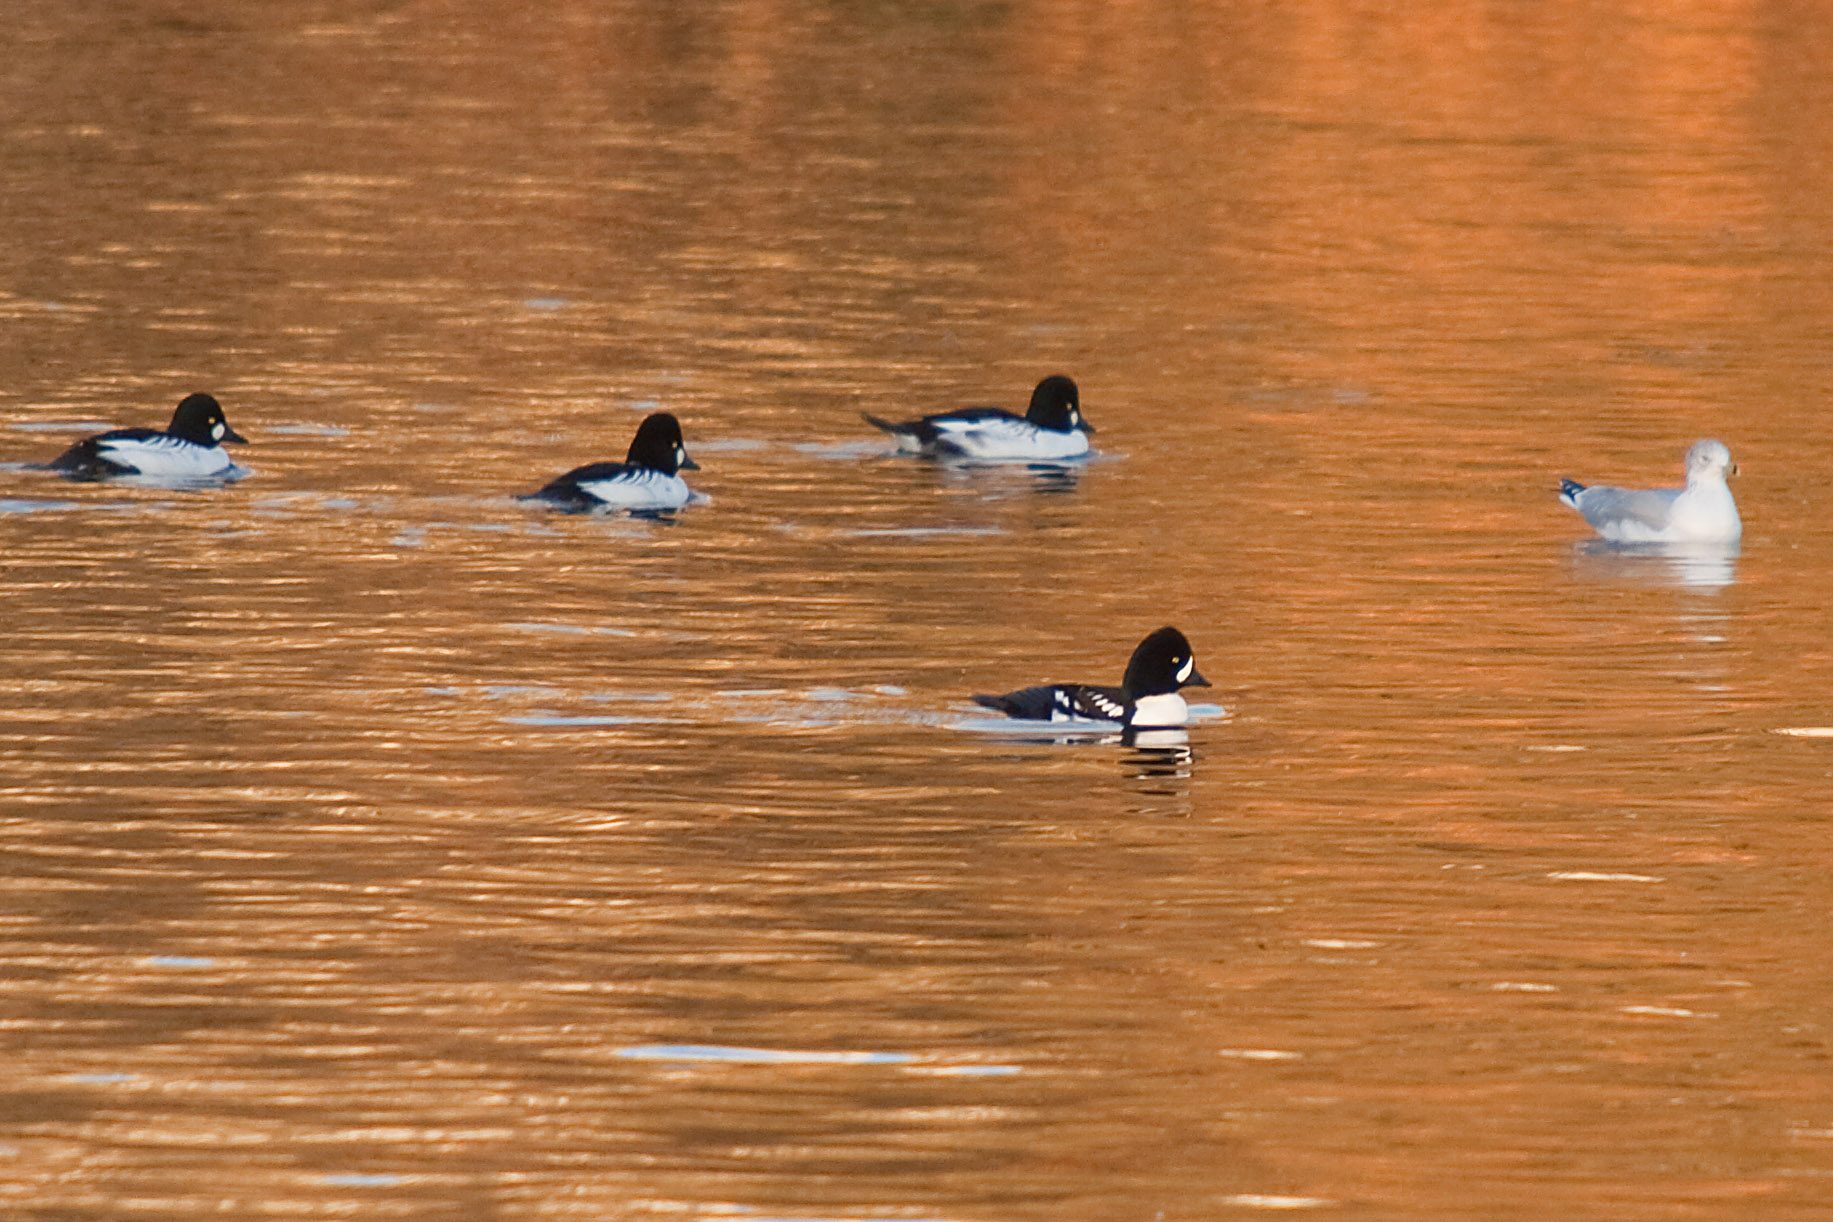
570, 629
305, 430
730, 1054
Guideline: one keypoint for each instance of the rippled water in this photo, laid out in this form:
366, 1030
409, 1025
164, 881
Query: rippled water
380, 846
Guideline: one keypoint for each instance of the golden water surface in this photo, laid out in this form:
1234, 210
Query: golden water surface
376, 846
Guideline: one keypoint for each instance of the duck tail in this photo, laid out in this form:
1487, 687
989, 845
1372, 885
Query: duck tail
896, 430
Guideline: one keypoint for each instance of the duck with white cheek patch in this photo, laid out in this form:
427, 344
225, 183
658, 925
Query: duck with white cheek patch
1051, 430
191, 447
1147, 697
647, 479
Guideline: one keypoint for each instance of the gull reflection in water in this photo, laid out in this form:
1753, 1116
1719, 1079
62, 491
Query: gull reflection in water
1695, 566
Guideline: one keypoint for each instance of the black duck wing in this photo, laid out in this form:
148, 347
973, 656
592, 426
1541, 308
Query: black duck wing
1026, 704
85, 459
565, 490
1060, 702
937, 430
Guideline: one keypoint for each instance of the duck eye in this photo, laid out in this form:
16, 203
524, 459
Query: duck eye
1183, 670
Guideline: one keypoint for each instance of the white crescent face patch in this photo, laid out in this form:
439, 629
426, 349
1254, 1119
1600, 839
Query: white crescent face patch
1183, 672
218, 429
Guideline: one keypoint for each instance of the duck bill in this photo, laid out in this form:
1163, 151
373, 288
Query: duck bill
1196, 679
1086, 427
231, 435
687, 464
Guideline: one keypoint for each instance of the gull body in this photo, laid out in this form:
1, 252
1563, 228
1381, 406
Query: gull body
1703, 511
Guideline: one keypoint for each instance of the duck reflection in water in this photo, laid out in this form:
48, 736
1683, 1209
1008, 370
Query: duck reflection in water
1694, 566
1012, 479
1151, 754
1158, 754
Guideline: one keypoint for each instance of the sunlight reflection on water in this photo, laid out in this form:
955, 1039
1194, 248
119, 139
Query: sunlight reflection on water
512, 863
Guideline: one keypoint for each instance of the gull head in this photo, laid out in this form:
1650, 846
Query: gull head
1709, 459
